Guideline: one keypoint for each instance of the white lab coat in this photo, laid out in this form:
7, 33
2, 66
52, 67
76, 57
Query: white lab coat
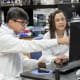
50, 54
11, 61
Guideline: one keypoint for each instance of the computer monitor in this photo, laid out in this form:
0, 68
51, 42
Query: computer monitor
67, 9
75, 40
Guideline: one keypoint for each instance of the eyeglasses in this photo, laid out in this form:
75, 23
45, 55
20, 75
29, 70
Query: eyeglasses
22, 22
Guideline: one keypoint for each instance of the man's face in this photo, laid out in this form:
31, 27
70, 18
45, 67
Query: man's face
17, 25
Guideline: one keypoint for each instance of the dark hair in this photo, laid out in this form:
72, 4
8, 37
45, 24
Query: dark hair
17, 13
52, 23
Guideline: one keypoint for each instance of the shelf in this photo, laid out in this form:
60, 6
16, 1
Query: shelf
30, 8
44, 6
7, 7
36, 6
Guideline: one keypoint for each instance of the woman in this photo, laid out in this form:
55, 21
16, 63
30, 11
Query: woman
58, 29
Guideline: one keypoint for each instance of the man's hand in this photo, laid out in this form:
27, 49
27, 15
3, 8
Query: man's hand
41, 64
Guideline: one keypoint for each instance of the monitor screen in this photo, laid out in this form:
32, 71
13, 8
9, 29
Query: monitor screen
75, 40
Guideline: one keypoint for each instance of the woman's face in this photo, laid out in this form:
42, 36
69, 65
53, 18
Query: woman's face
60, 21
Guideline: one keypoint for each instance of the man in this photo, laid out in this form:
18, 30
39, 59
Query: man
11, 60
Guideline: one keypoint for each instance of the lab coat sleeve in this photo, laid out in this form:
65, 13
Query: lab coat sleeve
51, 58
67, 53
47, 58
10, 44
29, 63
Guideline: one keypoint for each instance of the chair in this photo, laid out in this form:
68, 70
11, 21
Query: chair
38, 54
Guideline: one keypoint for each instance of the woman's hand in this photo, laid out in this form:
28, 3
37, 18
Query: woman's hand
64, 40
61, 59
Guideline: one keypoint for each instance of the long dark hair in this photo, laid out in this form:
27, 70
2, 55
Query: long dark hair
51, 21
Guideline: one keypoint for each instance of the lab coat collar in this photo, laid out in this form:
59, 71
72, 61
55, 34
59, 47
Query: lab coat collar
6, 28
